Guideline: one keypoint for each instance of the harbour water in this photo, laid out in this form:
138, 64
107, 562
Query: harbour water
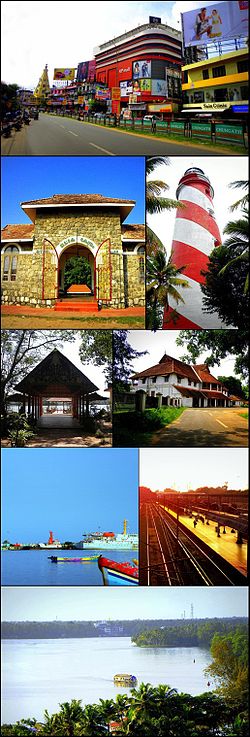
33, 567
41, 674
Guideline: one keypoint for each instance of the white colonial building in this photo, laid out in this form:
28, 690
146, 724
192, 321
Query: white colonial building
182, 385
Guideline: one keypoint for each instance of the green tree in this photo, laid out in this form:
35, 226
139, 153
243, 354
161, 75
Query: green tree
234, 386
77, 271
163, 281
243, 201
96, 347
219, 343
123, 356
70, 717
155, 189
230, 666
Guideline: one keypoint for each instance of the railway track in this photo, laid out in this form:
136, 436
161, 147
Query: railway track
171, 555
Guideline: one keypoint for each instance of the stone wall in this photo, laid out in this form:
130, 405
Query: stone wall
120, 286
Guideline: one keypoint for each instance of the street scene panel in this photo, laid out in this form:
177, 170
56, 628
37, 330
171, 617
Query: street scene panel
186, 388
76, 259
160, 84
193, 526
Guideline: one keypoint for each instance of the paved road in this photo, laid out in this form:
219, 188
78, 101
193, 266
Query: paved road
58, 136
204, 428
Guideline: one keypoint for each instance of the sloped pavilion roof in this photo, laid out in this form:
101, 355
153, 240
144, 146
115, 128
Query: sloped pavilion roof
55, 368
77, 200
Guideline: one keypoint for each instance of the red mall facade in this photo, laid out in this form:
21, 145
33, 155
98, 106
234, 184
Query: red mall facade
142, 68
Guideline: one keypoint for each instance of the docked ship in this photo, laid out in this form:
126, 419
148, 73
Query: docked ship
109, 540
118, 574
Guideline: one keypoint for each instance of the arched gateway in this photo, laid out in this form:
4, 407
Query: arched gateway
78, 251
56, 389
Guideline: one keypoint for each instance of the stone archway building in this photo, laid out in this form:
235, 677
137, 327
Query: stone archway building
34, 256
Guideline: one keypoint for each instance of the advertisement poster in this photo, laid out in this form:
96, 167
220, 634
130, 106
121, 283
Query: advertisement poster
126, 88
215, 22
141, 69
68, 73
82, 71
159, 87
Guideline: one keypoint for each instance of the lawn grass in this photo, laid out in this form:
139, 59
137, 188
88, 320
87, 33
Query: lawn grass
136, 429
244, 415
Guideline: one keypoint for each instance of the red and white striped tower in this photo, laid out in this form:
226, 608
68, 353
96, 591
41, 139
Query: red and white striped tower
196, 233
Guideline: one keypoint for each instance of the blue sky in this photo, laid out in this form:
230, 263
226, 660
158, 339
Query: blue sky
32, 177
68, 491
142, 602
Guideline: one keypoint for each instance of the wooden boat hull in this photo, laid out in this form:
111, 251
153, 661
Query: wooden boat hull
117, 574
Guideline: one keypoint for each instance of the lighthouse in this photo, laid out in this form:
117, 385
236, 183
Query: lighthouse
196, 234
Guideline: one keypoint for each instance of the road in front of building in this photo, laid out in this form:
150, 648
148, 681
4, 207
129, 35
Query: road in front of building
61, 136
201, 428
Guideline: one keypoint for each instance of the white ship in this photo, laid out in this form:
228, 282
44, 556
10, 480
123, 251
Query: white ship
109, 540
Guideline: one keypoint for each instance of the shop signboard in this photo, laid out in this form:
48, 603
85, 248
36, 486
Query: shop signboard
159, 87
91, 70
116, 93
217, 22
124, 70
141, 69
67, 73
162, 125
80, 100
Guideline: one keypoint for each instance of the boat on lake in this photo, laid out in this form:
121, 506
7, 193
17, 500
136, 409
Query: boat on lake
86, 559
118, 574
125, 679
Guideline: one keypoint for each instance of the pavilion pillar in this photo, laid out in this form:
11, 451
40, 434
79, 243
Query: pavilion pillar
87, 405
32, 407
23, 403
83, 405
28, 404
40, 406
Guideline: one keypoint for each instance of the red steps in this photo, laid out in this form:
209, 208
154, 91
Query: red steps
76, 306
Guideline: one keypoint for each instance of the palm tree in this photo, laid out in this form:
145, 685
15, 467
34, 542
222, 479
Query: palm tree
155, 202
51, 725
240, 184
92, 722
163, 279
238, 241
70, 717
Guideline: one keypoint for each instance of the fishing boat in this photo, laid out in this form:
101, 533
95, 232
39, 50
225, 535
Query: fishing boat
125, 679
118, 574
87, 559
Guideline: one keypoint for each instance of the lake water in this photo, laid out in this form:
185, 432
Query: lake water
40, 674
33, 568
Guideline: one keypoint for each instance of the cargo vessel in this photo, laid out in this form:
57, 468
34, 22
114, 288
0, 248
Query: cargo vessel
109, 540
118, 574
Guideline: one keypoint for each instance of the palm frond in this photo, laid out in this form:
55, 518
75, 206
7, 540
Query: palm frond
156, 186
153, 161
161, 203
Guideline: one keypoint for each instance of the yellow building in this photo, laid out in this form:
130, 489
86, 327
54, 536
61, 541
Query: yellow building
217, 84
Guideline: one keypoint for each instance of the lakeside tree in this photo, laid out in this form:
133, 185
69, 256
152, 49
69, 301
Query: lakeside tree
230, 666
219, 343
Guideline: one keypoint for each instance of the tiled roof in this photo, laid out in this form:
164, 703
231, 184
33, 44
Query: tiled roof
14, 232
187, 391
77, 199
168, 365
133, 232
210, 394
236, 399
203, 372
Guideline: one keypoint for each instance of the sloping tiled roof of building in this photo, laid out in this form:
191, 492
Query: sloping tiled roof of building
188, 391
77, 199
168, 365
203, 372
16, 232
133, 231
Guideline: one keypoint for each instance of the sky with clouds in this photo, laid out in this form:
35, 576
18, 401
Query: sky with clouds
64, 34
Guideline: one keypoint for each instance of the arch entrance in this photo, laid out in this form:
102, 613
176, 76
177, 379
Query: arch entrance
76, 272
